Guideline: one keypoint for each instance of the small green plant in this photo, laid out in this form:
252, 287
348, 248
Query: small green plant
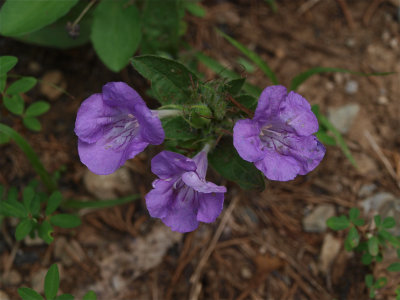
51, 286
369, 243
36, 212
13, 100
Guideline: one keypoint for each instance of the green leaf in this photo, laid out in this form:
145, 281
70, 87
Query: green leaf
7, 63
12, 195
90, 296
51, 282
378, 220
115, 26
195, 9
366, 259
36, 109
3, 82
354, 213
172, 82
359, 222
398, 253
272, 4
234, 86
373, 246
21, 85
369, 280
224, 72
100, 203
65, 297
338, 223
45, 231
4, 138
380, 283
252, 56
56, 34
32, 123
394, 267
35, 206
27, 197
65, 220
13, 209
177, 128
247, 101
21, 17
389, 237
226, 161
14, 104
388, 223
23, 229
353, 237
161, 26
53, 202
299, 79
322, 120
29, 294
325, 138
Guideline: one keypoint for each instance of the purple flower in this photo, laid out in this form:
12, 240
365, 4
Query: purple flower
181, 197
113, 127
279, 140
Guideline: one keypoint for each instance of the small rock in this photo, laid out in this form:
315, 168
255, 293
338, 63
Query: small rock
338, 77
37, 280
376, 202
109, 186
329, 86
350, 42
34, 67
37, 241
53, 84
3, 295
11, 278
60, 245
383, 100
351, 87
342, 118
366, 190
394, 43
366, 165
246, 273
316, 220
330, 249
385, 36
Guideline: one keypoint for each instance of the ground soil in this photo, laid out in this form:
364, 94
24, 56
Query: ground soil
258, 248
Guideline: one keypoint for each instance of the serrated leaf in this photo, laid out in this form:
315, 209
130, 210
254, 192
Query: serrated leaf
21, 17
7, 63
21, 85
254, 57
45, 231
388, 223
373, 246
394, 267
171, 81
115, 26
353, 237
338, 223
32, 123
90, 296
53, 203
226, 161
23, 229
65, 220
14, 104
299, 79
51, 282
27, 197
29, 294
37, 108
13, 209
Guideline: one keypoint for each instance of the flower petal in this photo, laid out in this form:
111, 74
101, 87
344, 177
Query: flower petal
159, 198
121, 96
202, 163
168, 164
210, 206
193, 180
269, 103
278, 167
296, 113
151, 129
247, 141
103, 160
90, 119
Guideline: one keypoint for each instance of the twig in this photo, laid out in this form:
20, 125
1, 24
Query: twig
241, 107
370, 11
306, 6
346, 13
194, 279
382, 157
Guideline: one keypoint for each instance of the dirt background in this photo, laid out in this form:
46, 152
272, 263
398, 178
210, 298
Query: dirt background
269, 245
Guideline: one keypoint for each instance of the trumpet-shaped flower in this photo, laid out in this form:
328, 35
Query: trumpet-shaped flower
114, 126
181, 197
279, 139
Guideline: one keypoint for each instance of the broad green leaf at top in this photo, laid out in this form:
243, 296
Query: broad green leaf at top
21, 17
116, 33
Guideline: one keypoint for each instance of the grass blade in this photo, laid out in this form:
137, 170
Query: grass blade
254, 57
31, 155
299, 79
